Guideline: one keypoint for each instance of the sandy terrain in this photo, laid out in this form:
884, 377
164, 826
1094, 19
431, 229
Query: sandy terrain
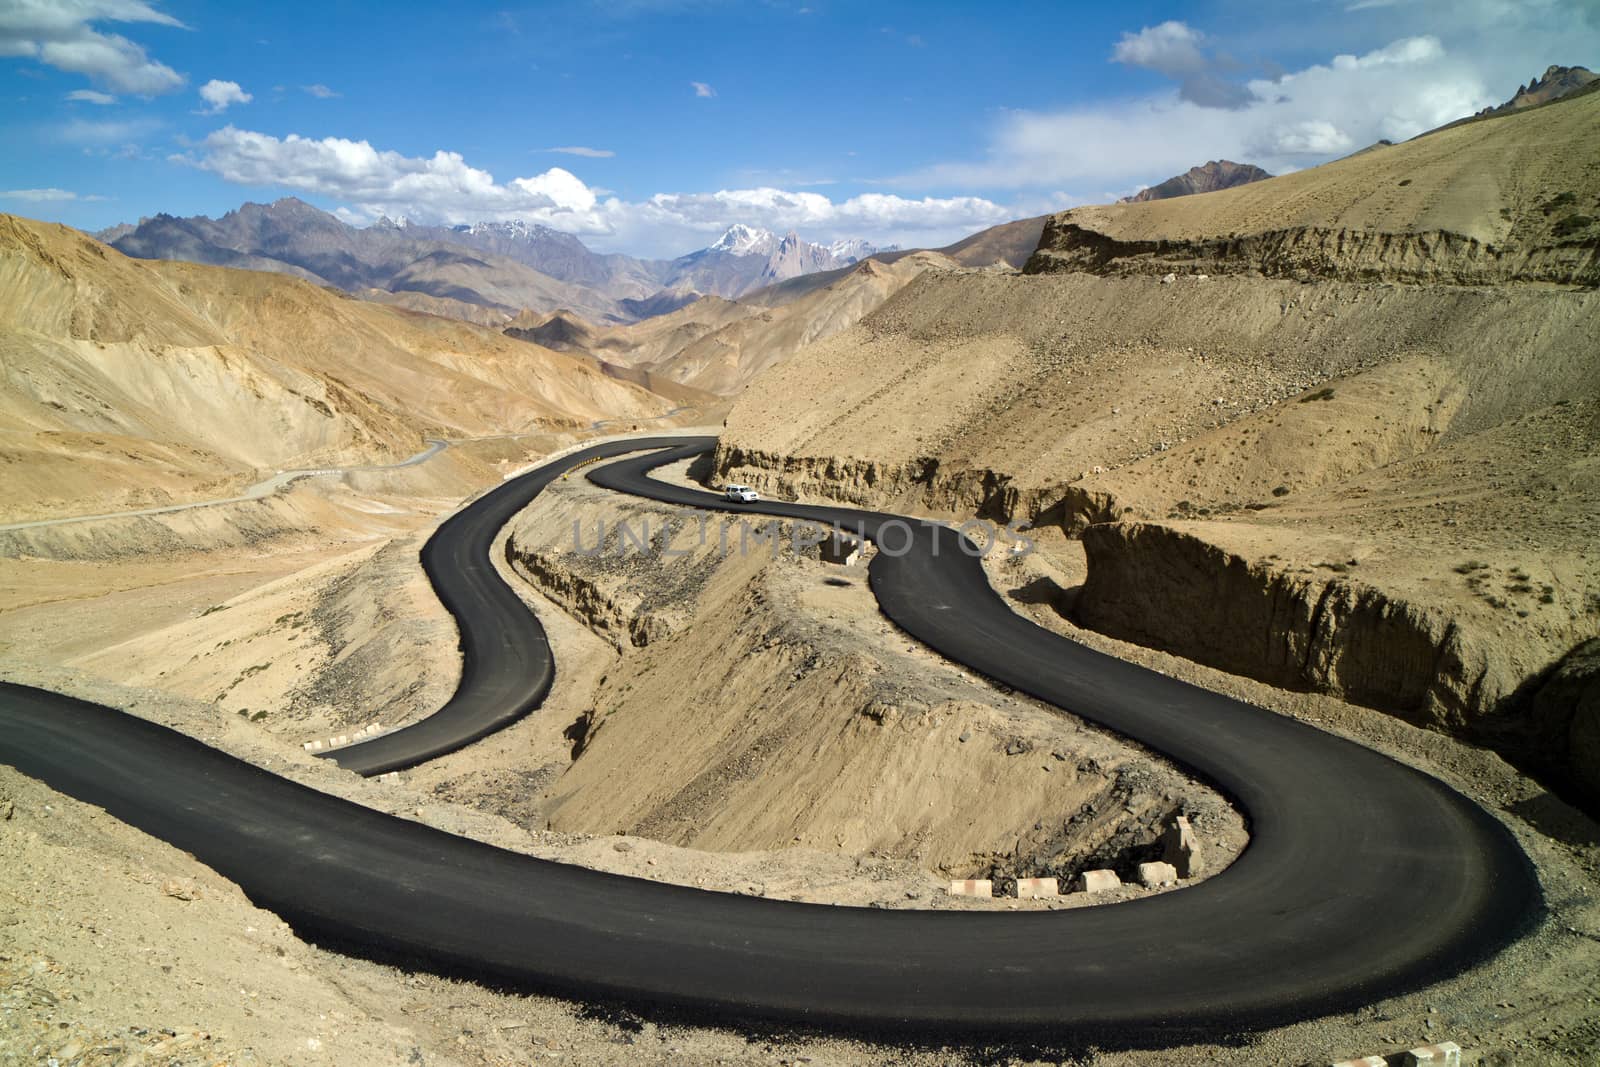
131, 383
116, 943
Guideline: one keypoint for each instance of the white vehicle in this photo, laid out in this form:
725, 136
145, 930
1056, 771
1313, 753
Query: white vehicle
741, 494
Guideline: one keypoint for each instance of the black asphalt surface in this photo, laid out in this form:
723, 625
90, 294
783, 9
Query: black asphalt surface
506, 665
1363, 877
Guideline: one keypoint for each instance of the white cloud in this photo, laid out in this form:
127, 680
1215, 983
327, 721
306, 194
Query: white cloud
443, 188
584, 151
115, 131
702, 89
1176, 50
1301, 118
44, 196
90, 96
1313, 138
58, 33
320, 91
220, 95
1171, 48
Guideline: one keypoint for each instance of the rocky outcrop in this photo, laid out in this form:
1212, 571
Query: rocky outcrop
1217, 174
1169, 589
1555, 83
1566, 711
1435, 257
625, 622
924, 483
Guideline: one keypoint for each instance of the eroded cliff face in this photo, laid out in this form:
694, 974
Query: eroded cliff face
1169, 589
1310, 253
923, 484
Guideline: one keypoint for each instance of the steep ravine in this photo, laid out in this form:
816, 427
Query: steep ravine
1169, 589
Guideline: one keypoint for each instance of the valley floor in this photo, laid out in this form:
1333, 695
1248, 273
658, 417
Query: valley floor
308, 611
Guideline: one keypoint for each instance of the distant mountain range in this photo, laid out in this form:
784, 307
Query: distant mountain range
1217, 174
479, 271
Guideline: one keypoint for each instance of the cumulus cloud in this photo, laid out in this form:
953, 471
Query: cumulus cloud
701, 89
220, 95
1296, 120
60, 34
443, 188
44, 196
1178, 51
89, 96
320, 91
584, 151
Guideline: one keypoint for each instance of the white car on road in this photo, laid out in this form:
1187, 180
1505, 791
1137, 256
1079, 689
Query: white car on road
741, 494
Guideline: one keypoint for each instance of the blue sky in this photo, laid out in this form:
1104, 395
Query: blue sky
648, 126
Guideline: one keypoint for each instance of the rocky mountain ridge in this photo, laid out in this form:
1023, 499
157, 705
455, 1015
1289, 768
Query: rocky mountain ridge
1207, 178
502, 266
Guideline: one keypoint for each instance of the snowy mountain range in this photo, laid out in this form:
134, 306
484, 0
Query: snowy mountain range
500, 267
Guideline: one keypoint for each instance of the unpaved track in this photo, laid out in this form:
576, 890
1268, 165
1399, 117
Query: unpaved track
1363, 878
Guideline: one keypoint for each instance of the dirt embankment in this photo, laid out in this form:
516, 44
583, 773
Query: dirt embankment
924, 483
1311, 253
772, 708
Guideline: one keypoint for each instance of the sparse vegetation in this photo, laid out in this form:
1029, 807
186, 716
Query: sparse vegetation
1325, 393
1572, 224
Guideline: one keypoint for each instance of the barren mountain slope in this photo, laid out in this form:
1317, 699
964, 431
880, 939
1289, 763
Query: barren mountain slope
130, 382
1415, 429
718, 346
1513, 197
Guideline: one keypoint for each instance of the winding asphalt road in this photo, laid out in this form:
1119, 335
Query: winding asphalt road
1363, 877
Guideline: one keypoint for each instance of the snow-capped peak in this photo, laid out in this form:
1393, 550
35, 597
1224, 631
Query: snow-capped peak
742, 240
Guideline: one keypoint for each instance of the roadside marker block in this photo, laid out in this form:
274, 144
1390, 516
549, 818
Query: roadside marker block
841, 550
1035, 888
1154, 874
1444, 1054
1364, 1061
1181, 848
972, 887
1097, 881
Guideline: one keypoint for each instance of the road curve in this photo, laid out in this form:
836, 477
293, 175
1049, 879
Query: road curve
1363, 877
506, 665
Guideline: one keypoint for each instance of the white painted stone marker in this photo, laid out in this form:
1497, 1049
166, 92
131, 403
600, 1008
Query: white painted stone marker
1444, 1054
1154, 874
1036, 888
1097, 881
1364, 1061
1181, 848
972, 887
